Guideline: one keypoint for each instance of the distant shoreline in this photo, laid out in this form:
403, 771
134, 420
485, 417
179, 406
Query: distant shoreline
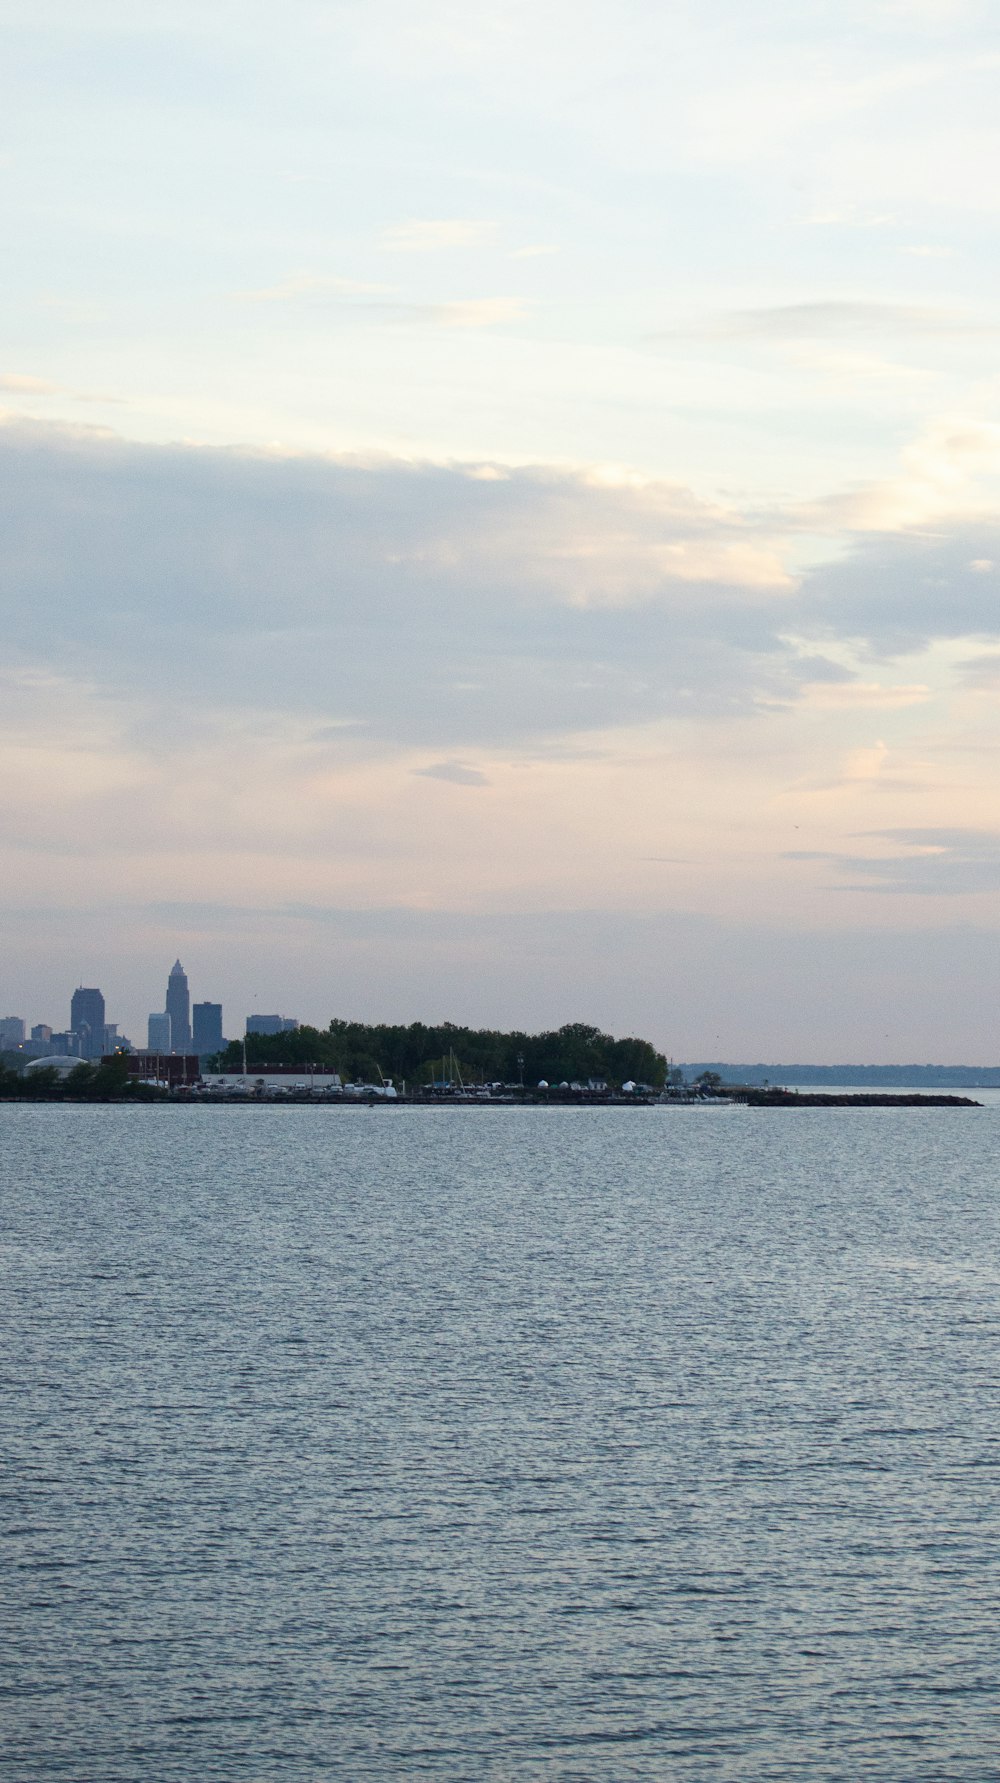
794, 1098
862, 1077
751, 1097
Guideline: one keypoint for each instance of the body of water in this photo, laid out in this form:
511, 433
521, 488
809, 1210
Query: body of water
521, 1444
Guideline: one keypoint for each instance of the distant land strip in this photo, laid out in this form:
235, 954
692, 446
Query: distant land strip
763, 1097
911, 1077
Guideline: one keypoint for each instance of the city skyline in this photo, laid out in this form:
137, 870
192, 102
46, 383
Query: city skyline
90, 1035
181, 1027
501, 516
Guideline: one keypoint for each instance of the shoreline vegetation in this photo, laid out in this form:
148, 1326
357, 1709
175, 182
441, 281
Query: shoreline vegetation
420, 1055
108, 1081
354, 1063
576, 1062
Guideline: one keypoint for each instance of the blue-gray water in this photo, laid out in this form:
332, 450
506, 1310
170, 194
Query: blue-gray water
499, 1444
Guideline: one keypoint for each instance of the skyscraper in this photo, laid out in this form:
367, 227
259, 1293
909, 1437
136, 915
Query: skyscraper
271, 1024
208, 1028
179, 1009
158, 1033
86, 1018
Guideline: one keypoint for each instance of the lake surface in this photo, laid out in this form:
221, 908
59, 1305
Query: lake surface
509, 1444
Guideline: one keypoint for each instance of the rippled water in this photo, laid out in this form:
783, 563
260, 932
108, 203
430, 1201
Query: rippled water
499, 1444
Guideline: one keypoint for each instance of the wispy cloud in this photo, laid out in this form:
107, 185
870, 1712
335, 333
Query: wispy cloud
864, 695
431, 235
980, 674
849, 216
376, 303
312, 285
20, 384
934, 863
472, 312
476, 312
454, 771
839, 318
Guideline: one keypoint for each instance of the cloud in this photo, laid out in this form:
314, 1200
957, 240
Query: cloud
897, 592
863, 695
849, 216
19, 384
454, 771
474, 312
431, 235
365, 607
840, 319
374, 303
483, 312
312, 286
425, 604
936, 863
980, 674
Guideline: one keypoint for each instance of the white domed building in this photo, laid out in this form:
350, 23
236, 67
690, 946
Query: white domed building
61, 1062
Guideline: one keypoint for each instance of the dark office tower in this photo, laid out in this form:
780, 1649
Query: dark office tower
179, 1009
207, 1028
86, 1018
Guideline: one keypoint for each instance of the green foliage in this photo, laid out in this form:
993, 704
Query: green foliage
417, 1053
13, 1084
110, 1082
107, 1082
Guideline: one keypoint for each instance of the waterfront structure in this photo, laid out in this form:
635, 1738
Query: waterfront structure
174, 1070
179, 1008
87, 1020
286, 1080
271, 1024
62, 1063
158, 1033
207, 1028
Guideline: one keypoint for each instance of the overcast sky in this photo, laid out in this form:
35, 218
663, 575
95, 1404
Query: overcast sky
499, 516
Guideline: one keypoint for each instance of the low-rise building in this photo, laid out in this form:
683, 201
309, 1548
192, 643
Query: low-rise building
274, 1080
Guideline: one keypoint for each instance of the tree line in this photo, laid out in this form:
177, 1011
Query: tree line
108, 1081
417, 1054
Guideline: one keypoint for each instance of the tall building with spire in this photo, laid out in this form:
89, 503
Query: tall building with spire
179, 1009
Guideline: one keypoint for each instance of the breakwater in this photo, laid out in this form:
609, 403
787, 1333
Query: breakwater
781, 1098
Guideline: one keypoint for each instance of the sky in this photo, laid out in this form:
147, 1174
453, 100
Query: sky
499, 516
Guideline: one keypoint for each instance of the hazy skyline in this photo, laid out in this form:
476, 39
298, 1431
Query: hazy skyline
499, 518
